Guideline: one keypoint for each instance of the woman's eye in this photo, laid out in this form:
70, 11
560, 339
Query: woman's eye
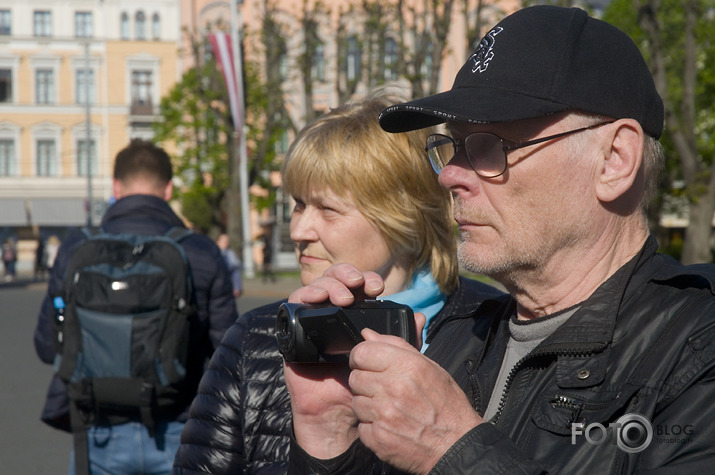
299, 206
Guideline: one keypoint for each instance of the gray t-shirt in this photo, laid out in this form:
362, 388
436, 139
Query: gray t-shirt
525, 336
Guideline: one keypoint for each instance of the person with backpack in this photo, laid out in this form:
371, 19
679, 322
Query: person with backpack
132, 315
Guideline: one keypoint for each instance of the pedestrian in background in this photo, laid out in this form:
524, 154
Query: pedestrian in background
40, 269
9, 258
118, 441
234, 264
267, 258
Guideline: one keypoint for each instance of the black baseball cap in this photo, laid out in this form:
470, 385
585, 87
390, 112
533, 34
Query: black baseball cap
539, 61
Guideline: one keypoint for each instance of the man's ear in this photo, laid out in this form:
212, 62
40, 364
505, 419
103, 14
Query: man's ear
117, 189
168, 190
620, 173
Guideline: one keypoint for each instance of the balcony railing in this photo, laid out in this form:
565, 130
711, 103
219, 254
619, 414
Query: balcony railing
141, 108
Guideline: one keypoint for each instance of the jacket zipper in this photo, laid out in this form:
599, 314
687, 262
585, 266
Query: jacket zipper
517, 367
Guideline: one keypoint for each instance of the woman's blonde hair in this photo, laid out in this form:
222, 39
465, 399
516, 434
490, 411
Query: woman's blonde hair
387, 176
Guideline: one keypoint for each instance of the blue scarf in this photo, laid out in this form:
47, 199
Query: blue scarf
422, 295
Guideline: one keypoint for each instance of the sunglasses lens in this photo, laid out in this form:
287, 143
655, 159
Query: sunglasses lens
486, 154
440, 150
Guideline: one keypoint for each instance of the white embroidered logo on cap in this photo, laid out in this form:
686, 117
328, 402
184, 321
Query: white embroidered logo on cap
483, 54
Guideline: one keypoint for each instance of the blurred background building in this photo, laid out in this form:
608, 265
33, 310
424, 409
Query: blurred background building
80, 78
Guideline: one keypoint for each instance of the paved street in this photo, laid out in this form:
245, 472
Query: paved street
27, 446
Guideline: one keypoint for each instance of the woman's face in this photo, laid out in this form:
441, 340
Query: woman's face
328, 229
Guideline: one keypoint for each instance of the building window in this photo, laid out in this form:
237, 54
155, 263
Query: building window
155, 26
426, 68
390, 59
124, 26
281, 145
353, 58
5, 22
140, 26
283, 63
84, 84
141, 93
44, 86
82, 157
318, 69
43, 23
5, 85
46, 158
141, 87
83, 24
7, 157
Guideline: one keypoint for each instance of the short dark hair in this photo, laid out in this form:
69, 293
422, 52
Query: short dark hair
143, 158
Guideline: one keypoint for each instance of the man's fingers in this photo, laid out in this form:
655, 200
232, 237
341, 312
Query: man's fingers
379, 352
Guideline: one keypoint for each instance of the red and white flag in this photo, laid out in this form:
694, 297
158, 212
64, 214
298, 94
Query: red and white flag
223, 51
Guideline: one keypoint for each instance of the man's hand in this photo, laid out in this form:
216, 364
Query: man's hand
410, 410
403, 406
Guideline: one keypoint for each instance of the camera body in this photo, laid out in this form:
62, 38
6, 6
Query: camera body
326, 333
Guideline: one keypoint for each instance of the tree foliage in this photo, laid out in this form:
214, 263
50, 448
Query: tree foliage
194, 121
678, 41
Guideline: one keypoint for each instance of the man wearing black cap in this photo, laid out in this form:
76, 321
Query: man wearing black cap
602, 358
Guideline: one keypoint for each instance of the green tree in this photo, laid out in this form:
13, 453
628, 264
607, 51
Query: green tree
196, 119
193, 119
678, 40
267, 112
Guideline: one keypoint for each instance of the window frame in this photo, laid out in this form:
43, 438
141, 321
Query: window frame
140, 26
124, 27
46, 163
353, 58
83, 24
42, 23
45, 85
5, 22
8, 162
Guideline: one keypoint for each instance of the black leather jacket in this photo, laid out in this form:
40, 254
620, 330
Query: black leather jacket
240, 419
640, 347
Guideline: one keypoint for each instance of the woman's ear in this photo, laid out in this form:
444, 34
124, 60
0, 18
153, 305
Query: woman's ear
619, 173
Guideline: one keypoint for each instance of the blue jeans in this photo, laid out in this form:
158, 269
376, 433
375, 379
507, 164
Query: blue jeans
127, 449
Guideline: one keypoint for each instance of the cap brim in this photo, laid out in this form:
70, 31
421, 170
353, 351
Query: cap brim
473, 105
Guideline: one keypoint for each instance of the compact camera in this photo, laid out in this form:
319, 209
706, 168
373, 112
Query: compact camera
326, 333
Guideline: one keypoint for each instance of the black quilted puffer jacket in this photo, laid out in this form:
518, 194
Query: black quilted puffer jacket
240, 423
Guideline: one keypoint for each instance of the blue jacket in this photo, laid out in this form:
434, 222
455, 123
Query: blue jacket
240, 421
144, 214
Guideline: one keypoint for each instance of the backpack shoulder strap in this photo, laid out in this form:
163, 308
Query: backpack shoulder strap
178, 233
89, 232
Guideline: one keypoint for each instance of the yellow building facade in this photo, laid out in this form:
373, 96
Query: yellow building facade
54, 56
124, 56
